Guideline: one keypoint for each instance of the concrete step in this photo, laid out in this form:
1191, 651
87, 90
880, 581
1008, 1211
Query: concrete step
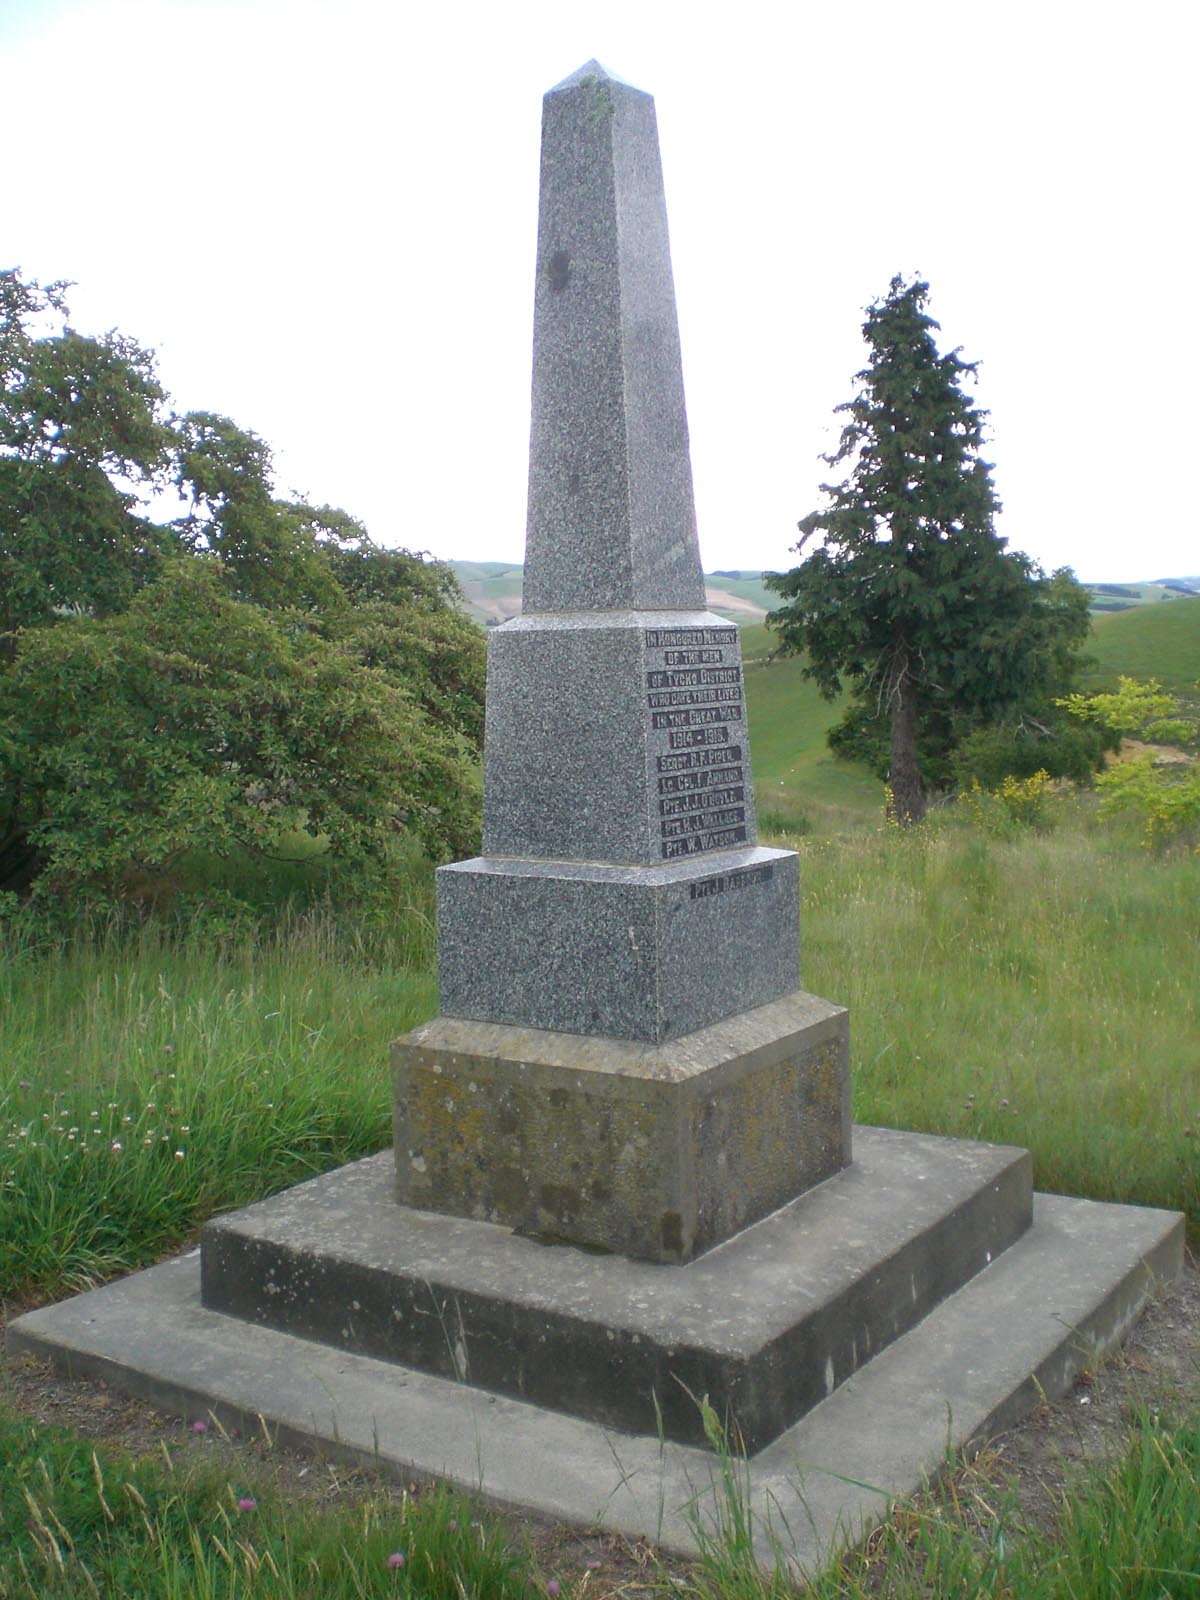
1065, 1291
766, 1324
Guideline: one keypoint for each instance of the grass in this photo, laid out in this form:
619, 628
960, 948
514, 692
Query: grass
1041, 990
77, 1521
1132, 1530
799, 785
151, 1082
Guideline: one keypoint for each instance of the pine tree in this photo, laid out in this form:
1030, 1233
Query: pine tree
912, 601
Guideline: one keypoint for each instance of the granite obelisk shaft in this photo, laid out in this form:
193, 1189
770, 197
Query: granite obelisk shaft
621, 891
611, 522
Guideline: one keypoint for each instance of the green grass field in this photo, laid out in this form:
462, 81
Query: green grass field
1152, 642
798, 783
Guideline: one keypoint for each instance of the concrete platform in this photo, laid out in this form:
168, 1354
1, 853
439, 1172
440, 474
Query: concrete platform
1067, 1289
766, 1324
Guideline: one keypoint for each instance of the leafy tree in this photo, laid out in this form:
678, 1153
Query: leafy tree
195, 721
270, 548
81, 432
1164, 794
1141, 709
912, 600
388, 609
957, 748
256, 667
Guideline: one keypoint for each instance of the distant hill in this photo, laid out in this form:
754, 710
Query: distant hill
1125, 596
493, 592
1149, 641
492, 589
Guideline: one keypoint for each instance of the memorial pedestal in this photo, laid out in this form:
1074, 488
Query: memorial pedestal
618, 952
765, 1325
658, 1152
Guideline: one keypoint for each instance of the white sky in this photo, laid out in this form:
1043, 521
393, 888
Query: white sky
323, 217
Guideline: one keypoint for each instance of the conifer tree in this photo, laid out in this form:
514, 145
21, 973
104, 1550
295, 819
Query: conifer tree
912, 601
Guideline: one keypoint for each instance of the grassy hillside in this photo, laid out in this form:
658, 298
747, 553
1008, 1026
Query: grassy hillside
798, 783
747, 590
1149, 642
1124, 596
492, 589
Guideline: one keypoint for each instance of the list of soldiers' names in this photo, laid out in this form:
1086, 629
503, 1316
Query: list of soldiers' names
694, 691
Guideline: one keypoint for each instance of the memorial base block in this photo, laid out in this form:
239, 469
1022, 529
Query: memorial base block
619, 952
657, 1152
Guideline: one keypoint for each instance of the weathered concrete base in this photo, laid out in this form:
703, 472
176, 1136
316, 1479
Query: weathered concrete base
658, 1152
765, 1326
1069, 1288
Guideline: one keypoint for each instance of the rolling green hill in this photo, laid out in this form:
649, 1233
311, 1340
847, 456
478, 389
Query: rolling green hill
492, 589
493, 593
1125, 596
748, 598
798, 783
1148, 642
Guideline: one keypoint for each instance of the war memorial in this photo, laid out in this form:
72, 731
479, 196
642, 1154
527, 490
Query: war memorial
624, 1181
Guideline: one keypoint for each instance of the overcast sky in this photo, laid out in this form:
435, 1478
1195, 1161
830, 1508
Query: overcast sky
323, 217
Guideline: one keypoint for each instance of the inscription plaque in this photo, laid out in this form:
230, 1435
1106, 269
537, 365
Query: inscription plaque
695, 698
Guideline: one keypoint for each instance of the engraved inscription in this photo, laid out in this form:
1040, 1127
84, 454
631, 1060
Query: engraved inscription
725, 882
695, 699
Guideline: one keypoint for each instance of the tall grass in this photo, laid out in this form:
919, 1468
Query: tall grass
76, 1522
1132, 1531
1129, 1528
150, 1081
1041, 990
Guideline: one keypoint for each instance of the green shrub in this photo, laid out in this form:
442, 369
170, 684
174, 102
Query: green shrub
196, 722
1013, 803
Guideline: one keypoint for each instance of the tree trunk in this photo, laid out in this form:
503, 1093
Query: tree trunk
907, 804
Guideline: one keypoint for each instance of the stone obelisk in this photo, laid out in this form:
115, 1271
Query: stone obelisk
624, 1058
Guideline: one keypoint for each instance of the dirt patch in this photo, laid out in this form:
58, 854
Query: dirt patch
1158, 1367
1164, 755
723, 600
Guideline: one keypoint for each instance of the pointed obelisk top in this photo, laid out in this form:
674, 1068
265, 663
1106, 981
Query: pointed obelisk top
590, 69
612, 524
